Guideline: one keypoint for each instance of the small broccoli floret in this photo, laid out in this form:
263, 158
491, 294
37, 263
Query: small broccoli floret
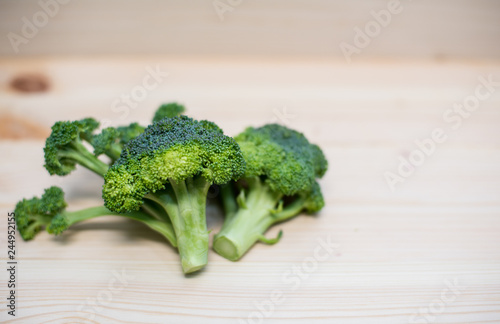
281, 163
32, 215
169, 110
111, 140
129, 132
107, 142
173, 163
49, 211
64, 148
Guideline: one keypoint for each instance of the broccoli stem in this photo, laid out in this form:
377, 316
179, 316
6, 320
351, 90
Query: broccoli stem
228, 201
290, 211
159, 213
251, 221
185, 202
93, 212
82, 155
40, 221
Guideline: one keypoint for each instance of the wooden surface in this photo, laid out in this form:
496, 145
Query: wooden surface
397, 251
464, 29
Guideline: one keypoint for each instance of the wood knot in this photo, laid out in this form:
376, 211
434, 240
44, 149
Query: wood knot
30, 83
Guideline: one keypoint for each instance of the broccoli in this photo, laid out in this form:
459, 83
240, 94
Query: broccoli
111, 140
168, 111
64, 148
49, 211
279, 183
173, 163
127, 133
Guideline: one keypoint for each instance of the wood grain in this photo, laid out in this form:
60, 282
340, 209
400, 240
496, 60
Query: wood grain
397, 251
445, 29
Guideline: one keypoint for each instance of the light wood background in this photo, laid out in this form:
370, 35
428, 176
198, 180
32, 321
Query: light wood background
397, 250
465, 29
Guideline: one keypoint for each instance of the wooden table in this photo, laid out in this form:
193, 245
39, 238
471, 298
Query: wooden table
426, 252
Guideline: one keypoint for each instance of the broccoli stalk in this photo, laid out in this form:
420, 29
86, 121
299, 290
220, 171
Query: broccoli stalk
185, 204
248, 224
257, 211
173, 163
65, 219
280, 179
229, 202
49, 211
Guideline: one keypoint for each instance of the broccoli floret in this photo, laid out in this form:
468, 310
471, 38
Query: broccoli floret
49, 211
279, 183
106, 142
129, 132
32, 215
173, 163
64, 148
111, 140
169, 110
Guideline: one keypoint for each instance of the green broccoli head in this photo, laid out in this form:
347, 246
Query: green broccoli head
63, 148
169, 110
32, 215
172, 149
283, 157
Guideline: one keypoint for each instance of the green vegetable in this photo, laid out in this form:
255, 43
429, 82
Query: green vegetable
160, 175
279, 183
173, 163
168, 111
111, 140
49, 211
64, 148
